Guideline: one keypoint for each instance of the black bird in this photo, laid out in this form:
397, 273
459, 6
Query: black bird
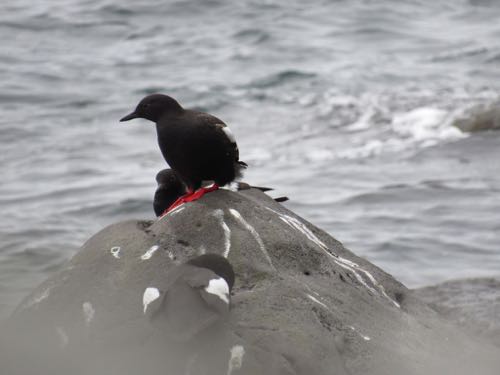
170, 188
197, 146
194, 296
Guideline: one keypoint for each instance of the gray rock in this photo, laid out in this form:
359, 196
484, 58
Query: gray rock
473, 304
301, 304
479, 118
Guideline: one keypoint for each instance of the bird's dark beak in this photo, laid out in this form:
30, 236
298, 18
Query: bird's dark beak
130, 116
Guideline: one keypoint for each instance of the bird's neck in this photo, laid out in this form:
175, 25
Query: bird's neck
169, 117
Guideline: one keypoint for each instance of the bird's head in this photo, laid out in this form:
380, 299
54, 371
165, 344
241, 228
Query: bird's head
167, 177
153, 107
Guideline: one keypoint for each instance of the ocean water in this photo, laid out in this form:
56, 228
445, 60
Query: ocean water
344, 106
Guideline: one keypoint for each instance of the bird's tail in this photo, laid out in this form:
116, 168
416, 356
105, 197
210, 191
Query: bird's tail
239, 166
245, 186
281, 199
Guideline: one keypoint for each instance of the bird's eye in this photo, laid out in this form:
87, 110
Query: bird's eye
147, 105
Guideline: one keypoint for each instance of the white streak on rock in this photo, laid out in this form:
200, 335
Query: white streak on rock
219, 214
366, 338
236, 360
309, 288
40, 297
219, 288
150, 294
175, 211
88, 312
63, 336
353, 267
170, 255
115, 251
202, 250
294, 223
148, 254
254, 233
36, 299
314, 299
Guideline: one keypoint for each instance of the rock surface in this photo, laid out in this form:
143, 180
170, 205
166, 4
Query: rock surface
473, 304
479, 118
301, 304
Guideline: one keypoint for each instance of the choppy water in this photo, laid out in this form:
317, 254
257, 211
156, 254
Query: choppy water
345, 106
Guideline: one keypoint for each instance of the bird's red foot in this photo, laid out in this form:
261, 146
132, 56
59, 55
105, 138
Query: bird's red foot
190, 197
201, 192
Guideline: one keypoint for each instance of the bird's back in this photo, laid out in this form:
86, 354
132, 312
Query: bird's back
196, 146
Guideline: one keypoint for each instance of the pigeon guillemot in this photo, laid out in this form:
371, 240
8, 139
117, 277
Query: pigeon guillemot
170, 188
194, 295
197, 146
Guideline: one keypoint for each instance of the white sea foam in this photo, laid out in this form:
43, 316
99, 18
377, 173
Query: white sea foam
425, 123
364, 121
418, 127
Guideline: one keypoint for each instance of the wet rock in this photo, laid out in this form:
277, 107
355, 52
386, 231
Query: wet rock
479, 118
301, 304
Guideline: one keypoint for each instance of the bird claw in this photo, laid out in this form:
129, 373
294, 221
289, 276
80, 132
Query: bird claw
190, 197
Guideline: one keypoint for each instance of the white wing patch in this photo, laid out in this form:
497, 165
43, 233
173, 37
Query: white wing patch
228, 132
219, 288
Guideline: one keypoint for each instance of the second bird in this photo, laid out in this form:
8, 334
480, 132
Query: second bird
197, 146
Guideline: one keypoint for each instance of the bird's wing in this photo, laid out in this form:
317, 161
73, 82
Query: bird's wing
230, 137
222, 129
244, 186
